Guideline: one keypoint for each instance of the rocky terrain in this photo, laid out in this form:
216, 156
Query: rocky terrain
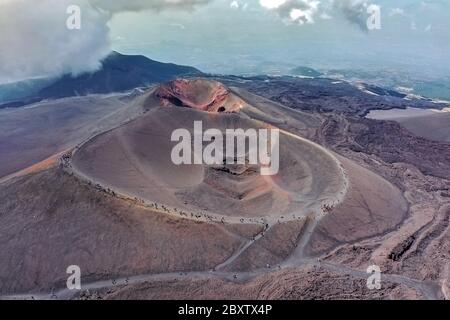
202, 95
431, 124
108, 205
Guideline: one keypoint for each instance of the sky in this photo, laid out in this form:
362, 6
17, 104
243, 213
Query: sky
226, 36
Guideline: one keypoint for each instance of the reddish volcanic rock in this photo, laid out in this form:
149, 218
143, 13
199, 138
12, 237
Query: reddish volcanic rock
205, 95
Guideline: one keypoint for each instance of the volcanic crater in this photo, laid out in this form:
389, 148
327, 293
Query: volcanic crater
199, 94
135, 160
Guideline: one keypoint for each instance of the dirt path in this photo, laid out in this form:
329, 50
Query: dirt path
242, 249
429, 290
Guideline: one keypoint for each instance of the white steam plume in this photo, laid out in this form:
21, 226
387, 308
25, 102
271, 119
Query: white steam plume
34, 39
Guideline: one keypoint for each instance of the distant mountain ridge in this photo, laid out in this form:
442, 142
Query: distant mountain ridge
118, 73
22, 89
305, 72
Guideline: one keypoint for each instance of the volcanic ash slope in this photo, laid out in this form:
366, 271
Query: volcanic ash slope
135, 160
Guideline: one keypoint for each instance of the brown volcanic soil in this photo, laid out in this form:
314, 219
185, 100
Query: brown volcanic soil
50, 220
372, 207
395, 214
290, 284
31, 134
271, 250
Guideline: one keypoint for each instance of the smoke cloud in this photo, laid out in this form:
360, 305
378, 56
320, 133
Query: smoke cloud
35, 40
355, 11
307, 11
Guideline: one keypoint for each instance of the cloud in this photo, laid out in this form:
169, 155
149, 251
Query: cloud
354, 11
272, 4
396, 12
35, 40
234, 5
239, 5
307, 11
325, 16
116, 6
294, 11
178, 25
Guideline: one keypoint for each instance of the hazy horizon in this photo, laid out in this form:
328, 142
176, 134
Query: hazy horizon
248, 40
